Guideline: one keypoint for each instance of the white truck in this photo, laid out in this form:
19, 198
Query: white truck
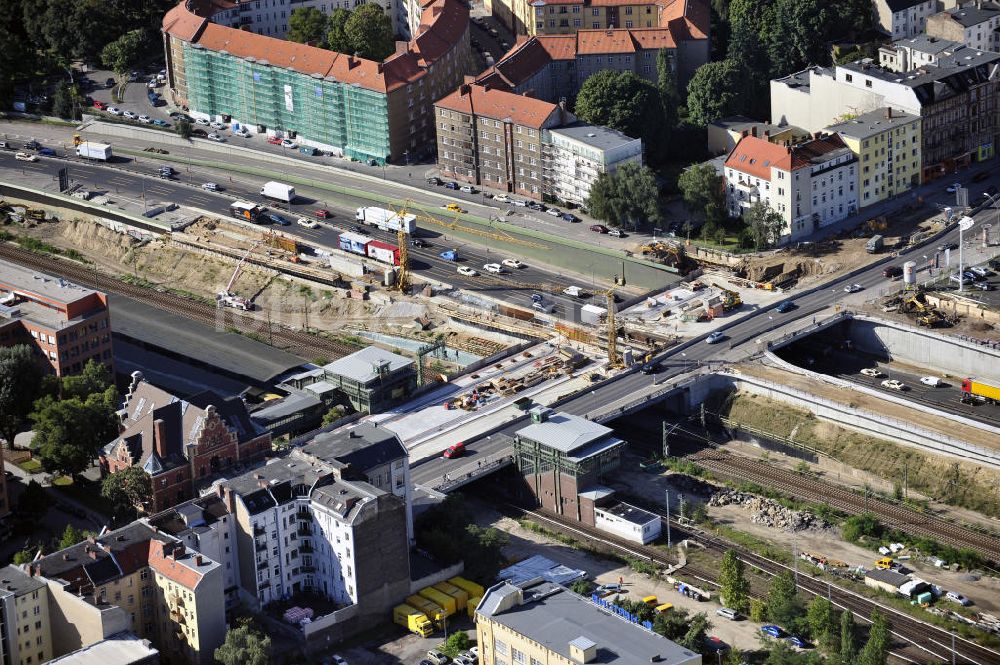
91, 150
387, 220
279, 191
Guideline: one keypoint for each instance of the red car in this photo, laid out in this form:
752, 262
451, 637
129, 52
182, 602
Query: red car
456, 450
99, 105
323, 213
274, 140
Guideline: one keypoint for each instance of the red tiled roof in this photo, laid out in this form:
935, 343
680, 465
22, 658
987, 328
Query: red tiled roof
161, 561
654, 38
443, 23
590, 42
498, 104
756, 156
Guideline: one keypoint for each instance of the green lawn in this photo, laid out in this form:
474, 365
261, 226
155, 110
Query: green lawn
62, 481
30, 466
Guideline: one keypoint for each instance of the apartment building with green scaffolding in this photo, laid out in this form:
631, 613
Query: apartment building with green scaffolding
339, 103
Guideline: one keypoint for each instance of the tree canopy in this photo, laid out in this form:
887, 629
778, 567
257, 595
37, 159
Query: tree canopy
336, 38
701, 187
783, 603
734, 585
70, 537
127, 490
764, 224
124, 53
369, 32
307, 25
448, 531
244, 646
626, 102
20, 383
716, 90
629, 197
875, 650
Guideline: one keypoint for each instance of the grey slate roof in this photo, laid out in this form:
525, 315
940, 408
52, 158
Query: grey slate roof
602, 138
18, 582
871, 123
888, 577
555, 617
565, 432
971, 15
362, 365
363, 447
900, 5
631, 513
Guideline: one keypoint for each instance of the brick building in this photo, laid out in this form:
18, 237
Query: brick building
64, 323
182, 444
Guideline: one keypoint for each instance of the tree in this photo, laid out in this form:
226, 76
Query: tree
336, 37
702, 189
457, 642
369, 33
783, 604
27, 555
628, 197
244, 646
127, 490
335, 413
666, 82
626, 102
764, 225
34, 502
71, 536
822, 620
183, 128
69, 432
716, 91
673, 625
121, 54
65, 101
95, 378
582, 587
698, 628
847, 645
758, 610
20, 383
734, 586
875, 650
864, 525
307, 25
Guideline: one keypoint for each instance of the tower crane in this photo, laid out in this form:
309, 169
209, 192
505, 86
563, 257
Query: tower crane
226, 297
403, 278
614, 361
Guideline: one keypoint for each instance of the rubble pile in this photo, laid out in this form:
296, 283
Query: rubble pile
769, 512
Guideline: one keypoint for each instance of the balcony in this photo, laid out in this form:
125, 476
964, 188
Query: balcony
304, 531
260, 547
262, 565
259, 531
308, 569
306, 548
178, 617
303, 515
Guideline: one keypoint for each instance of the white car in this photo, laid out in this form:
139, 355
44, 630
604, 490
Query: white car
467, 271
520, 203
25, 157
981, 271
308, 223
241, 132
512, 263
503, 198
131, 115
210, 187
715, 338
152, 84
555, 212
201, 121
218, 125
853, 288
872, 372
494, 268
218, 138
468, 189
145, 119
288, 143
893, 384
931, 381
114, 110
953, 188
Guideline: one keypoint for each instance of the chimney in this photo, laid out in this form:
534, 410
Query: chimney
92, 554
160, 438
380, 65
767, 134
563, 111
230, 498
464, 89
745, 133
888, 113
197, 559
753, 130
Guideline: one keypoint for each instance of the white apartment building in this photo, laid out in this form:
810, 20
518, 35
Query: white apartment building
975, 24
903, 18
905, 55
811, 185
575, 155
270, 17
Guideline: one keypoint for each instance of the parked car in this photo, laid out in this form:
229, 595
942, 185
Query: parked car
983, 286
512, 263
110, 82
99, 105
520, 203
728, 613
307, 223
955, 597
242, 132
954, 187
617, 233
434, 180
715, 338
211, 187
981, 271
608, 589
454, 450
555, 212
218, 125
536, 206
947, 245
25, 157
598, 228
467, 271
290, 144
772, 631
453, 207
218, 138
145, 119
784, 307
451, 185
716, 645
872, 372
437, 657
114, 110
853, 288
502, 198
205, 122
278, 219
46, 152
274, 140
160, 123
570, 217
468, 189
131, 115
893, 384
797, 642
166, 171
418, 242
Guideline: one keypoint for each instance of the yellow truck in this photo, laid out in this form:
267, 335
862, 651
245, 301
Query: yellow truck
474, 590
651, 601
461, 596
430, 609
441, 599
412, 619
885, 563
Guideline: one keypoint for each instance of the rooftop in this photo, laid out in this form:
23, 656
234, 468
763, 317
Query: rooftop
757, 156
631, 514
556, 618
601, 138
872, 123
191, 515
119, 649
927, 44
901, 5
488, 102
973, 13
363, 447
16, 581
38, 285
887, 576
958, 68
565, 432
363, 366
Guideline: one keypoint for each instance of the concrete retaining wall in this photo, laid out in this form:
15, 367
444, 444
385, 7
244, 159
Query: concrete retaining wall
924, 348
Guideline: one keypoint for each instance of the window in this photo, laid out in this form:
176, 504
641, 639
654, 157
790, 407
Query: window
628, 24
595, 25
515, 655
498, 646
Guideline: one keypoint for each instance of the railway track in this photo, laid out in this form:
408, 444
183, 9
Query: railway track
812, 489
924, 642
302, 344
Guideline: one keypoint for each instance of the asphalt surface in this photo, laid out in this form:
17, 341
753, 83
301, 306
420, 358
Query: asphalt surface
142, 182
740, 337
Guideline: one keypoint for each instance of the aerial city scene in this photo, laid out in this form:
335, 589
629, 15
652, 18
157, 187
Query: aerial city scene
500, 332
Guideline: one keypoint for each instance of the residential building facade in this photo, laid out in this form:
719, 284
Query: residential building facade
270, 17
958, 101
887, 146
903, 18
542, 622
66, 325
25, 628
975, 24
181, 444
904, 55
575, 155
811, 185
335, 102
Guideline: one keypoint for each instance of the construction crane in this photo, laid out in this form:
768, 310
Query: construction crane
226, 297
614, 361
403, 278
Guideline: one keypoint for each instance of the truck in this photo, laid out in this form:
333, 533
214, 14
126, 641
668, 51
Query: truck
355, 243
474, 590
461, 596
244, 210
441, 599
875, 245
430, 609
977, 391
90, 150
278, 190
384, 252
386, 220
412, 619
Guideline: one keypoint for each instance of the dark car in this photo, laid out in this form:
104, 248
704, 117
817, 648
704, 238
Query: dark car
786, 306
47, 152
360, 229
650, 368
947, 245
417, 242
598, 228
889, 272
110, 83
538, 207
435, 181
32, 145
451, 185
199, 132
278, 219
570, 217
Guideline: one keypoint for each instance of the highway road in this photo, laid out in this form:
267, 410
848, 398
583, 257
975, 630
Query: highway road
743, 334
142, 183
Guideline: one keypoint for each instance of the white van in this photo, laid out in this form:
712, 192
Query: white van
728, 613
